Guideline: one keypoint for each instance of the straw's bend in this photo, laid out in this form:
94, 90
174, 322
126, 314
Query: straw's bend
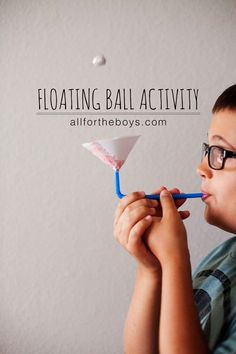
154, 196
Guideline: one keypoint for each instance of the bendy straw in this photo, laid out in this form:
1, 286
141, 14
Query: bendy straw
114, 153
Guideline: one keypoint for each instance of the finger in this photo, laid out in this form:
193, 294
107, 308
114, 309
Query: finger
134, 205
158, 190
130, 217
178, 202
136, 233
128, 220
168, 204
142, 202
124, 202
184, 214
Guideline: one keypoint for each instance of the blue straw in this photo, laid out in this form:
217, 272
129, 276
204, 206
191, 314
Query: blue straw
154, 196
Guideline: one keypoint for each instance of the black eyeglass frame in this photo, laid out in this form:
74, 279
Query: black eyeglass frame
206, 149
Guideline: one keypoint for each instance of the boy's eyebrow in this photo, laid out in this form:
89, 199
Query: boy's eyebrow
219, 137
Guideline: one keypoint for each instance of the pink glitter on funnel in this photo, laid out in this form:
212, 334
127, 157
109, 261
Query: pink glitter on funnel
113, 152
105, 156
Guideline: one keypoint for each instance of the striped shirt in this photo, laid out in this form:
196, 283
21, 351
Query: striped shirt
214, 285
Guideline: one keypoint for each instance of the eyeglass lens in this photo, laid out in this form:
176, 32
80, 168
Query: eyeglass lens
216, 157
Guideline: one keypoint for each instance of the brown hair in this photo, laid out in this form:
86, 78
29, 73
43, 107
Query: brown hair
226, 100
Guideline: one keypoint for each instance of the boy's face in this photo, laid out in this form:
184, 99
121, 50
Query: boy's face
220, 185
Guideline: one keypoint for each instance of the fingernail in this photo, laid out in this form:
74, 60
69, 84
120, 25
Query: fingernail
142, 194
164, 193
148, 217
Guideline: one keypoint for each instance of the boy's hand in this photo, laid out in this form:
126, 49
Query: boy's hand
134, 215
166, 237
132, 218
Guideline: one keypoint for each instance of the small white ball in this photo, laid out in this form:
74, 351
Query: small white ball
99, 60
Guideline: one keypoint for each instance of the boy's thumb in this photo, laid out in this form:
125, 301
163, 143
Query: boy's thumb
167, 203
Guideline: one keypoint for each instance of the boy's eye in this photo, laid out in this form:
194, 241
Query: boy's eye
216, 157
220, 153
220, 157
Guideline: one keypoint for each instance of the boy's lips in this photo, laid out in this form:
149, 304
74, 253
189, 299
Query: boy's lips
205, 195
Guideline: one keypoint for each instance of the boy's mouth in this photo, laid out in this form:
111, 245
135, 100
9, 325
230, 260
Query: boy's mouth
205, 195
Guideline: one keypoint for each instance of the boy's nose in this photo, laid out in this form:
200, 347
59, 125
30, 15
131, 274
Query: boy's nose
203, 169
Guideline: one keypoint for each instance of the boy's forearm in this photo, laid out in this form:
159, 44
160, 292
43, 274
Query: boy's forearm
142, 322
180, 330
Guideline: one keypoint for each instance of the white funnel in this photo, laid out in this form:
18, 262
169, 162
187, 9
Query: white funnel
112, 152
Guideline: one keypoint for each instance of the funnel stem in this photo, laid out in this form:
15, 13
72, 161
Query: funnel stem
117, 184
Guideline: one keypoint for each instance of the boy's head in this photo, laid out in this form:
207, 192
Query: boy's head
218, 167
227, 100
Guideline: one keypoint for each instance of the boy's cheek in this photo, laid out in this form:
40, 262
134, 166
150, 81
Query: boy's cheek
222, 214
224, 193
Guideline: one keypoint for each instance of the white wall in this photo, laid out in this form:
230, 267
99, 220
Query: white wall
65, 284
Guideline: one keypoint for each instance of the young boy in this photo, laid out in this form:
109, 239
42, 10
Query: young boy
170, 313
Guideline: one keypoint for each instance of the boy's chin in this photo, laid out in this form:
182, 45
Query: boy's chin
210, 219
213, 219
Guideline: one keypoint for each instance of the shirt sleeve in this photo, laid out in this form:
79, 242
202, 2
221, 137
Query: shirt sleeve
227, 346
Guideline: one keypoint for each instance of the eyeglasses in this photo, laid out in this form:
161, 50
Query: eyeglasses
216, 156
